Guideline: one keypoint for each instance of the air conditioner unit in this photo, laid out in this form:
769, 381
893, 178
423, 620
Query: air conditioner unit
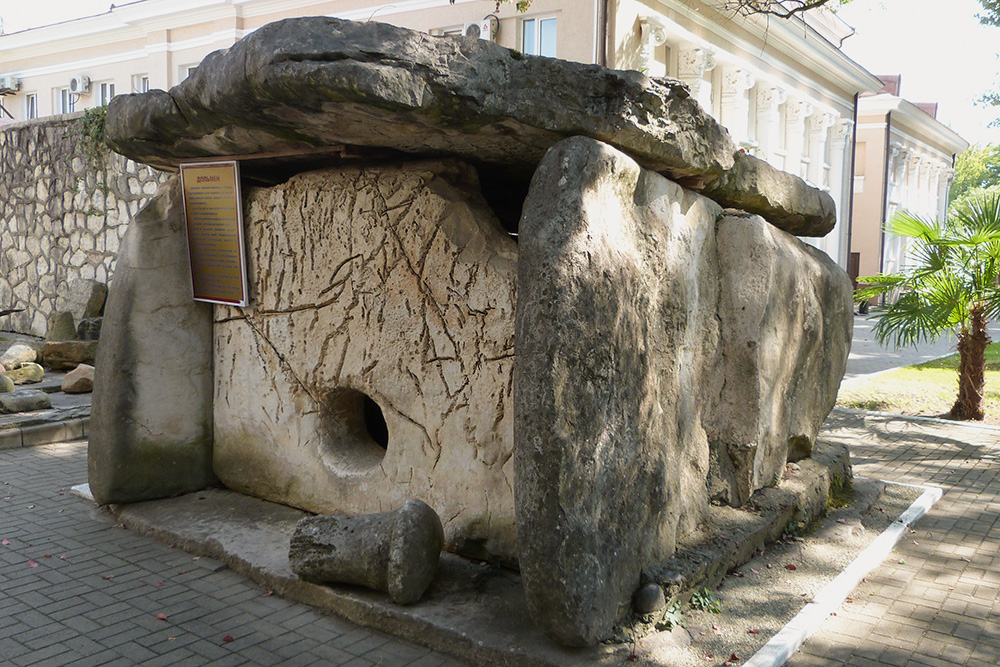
486, 29
80, 85
9, 84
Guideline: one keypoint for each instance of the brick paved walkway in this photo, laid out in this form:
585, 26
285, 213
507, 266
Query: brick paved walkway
935, 600
75, 589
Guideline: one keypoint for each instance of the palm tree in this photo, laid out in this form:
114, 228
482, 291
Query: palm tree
950, 285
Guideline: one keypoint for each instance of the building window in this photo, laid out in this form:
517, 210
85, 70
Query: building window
538, 36
140, 83
105, 92
65, 101
31, 106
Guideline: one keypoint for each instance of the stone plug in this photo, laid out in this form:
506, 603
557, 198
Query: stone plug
397, 552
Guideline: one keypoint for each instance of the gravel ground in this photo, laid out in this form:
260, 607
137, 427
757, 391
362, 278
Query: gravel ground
759, 598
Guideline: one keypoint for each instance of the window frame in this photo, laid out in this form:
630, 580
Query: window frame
30, 106
537, 36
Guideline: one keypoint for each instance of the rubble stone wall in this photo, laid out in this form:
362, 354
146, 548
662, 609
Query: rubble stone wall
61, 217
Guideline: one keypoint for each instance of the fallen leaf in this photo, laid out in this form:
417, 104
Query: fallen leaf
754, 632
790, 567
6, 542
108, 577
32, 562
196, 558
161, 617
733, 659
46, 555
755, 571
181, 571
159, 583
709, 656
268, 594
227, 639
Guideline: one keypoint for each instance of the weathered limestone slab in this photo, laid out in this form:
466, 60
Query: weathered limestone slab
786, 319
634, 297
151, 424
316, 85
61, 326
396, 552
68, 354
81, 297
6, 384
24, 400
380, 293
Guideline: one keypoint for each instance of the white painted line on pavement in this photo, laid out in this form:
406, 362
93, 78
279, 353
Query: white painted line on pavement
790, 638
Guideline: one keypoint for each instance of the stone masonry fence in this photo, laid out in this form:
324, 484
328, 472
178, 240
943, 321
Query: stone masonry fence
61, 216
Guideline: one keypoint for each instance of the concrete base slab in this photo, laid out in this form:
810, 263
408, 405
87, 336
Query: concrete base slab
474, 611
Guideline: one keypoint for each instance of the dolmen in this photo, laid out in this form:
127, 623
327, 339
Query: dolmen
477, 278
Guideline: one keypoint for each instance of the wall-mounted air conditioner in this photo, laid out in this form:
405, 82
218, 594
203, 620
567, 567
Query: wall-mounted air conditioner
79, 85
9, 84
486, 29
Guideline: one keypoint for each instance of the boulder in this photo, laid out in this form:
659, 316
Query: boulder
151, 421
375, 366
61, 326
397, 552
89, 328
6, 384
81, 297
68, 354
329, 89
24, 400
18, 354
26, 374
80, 380
644, 313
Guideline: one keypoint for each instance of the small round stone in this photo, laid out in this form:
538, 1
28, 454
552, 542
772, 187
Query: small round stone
648, 598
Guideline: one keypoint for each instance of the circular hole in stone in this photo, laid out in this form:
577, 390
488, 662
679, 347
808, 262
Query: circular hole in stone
356, 433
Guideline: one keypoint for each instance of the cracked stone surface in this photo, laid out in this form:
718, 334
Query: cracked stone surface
394, 283
668, 353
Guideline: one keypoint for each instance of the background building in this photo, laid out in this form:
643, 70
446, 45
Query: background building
782, 87
903, 162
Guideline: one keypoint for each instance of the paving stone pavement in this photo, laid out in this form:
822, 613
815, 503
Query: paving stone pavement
934, 601
76, 589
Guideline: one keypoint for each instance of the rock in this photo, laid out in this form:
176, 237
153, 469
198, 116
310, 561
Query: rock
321, 83
61, 327
634, 297
24, 400
784, 200
89, 328
6, 384
648, 599
83, 298
68, 354
80, 380
151, 423
786, 318
18, 354
397, 552
406, 395
26, 374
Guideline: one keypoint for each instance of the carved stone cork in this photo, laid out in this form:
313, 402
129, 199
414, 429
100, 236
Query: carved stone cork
396, 552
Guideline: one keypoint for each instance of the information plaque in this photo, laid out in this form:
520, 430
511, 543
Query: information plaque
213, 209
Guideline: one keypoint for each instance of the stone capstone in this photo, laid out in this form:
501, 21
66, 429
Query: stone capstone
61, 327
24, 400
644, 312
151, 421
374, 364
18, 354
26, 374
68, 354
80, 380
396, 552
326, 87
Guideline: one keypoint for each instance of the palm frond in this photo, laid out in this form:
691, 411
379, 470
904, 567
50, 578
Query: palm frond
913, 226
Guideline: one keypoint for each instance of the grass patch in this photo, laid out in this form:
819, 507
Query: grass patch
927, 389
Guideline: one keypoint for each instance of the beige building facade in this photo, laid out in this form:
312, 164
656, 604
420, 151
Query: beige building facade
782, 87
904, 161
